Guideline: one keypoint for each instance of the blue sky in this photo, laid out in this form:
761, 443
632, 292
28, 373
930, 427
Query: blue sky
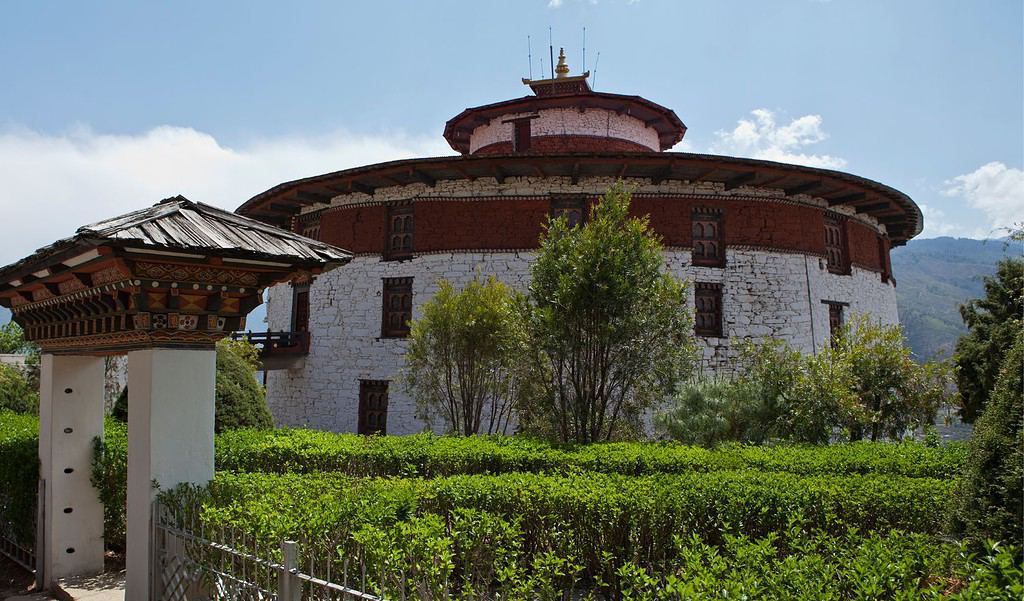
106, 107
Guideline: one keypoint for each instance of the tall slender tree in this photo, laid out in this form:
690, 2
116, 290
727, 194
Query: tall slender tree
615, 329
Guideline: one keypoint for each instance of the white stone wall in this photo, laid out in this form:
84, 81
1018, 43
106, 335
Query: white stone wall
764, 294
569, 121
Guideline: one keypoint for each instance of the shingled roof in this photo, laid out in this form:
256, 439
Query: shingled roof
180, 224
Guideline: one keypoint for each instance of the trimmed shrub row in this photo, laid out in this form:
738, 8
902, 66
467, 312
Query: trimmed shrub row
478, 532
425, 455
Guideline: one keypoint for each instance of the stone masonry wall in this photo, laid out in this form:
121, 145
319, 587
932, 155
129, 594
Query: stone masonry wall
765, 293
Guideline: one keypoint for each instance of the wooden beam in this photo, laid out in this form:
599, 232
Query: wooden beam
623, 169
499, 174
846, 198
873, 207
741, 179
312, 197
360, 187
422, 178
575, 173
803, 188
283, 208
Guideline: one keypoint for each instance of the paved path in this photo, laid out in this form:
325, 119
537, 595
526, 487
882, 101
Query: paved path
105, 587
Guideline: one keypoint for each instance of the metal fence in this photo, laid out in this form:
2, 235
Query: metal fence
12, 536
193, 562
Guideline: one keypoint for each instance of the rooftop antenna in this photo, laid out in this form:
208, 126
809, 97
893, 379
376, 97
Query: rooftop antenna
529, 55
596, 62
551, 53
584, 50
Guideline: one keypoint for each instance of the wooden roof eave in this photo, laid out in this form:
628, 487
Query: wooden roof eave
732, 171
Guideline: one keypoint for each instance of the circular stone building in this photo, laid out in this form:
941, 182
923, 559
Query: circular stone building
771, 249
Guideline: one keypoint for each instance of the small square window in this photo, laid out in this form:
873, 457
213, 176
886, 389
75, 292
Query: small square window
399, 242
373, 407
572, 206
707, 314
708, 239
397, 310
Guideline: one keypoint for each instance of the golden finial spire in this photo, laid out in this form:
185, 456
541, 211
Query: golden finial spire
562, 69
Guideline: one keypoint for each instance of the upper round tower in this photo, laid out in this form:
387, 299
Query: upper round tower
565, 115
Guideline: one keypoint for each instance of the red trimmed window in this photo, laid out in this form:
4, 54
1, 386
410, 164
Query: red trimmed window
400, 226
572, 206
397, 307
311, 230
373, 407
521, 135
707, 313
300, 308
835, 320
835, 245
708, 240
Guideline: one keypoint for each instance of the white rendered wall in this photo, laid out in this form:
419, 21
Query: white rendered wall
594, 122
70, 417
170, 440
765, 294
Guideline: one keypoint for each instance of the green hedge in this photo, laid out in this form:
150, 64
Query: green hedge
19, 475
287, 450
597, 527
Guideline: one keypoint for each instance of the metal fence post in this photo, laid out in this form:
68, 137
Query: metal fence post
289, 587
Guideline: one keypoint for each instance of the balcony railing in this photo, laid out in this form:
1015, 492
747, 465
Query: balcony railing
278, 350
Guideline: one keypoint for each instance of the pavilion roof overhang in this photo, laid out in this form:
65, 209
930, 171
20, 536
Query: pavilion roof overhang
901, 216
176, 274
664, 120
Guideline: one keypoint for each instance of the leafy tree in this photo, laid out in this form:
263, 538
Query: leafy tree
615, 330
241, 401
12, 339
712, 411
469, 357
990, 503
16, 391
993, 323
894, 393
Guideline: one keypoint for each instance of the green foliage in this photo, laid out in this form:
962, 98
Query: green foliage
241, 401
994, 323
12, 339
19, 475
615, 329
109, 476
867, 382
16, 391
470, 360
990, 501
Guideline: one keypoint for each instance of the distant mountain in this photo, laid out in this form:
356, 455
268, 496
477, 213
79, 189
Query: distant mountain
933, 277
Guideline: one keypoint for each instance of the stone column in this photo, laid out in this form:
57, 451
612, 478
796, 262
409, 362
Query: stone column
70, 417
171, 396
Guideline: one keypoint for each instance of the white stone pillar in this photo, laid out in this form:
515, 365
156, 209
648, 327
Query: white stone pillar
171, 396
70, 417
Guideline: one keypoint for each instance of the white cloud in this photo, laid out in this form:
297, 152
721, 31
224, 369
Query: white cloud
763, 138
994, 189
554, 3
53, 184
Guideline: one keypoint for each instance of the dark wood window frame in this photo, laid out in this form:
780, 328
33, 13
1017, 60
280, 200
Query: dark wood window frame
399, 235
300, 307
884, 259
396, 308
707, 311
522, 132
707, 231
836, 319
573, 206
837, 252
373, 407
